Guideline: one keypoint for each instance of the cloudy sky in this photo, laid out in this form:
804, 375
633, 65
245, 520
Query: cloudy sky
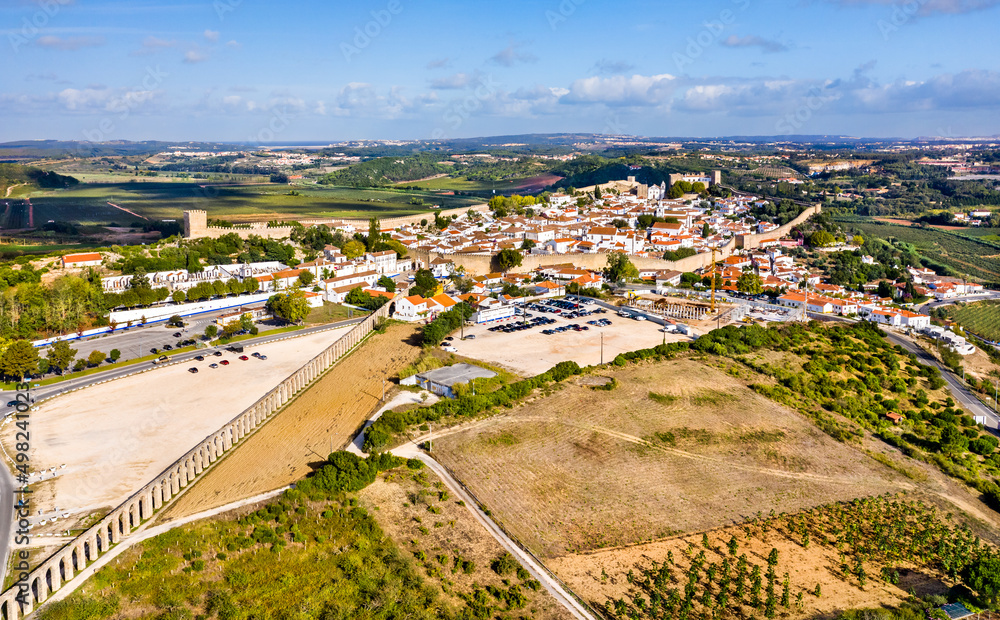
257, 70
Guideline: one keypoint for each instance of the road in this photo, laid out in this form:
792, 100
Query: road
554, 587
6, 519
137, 341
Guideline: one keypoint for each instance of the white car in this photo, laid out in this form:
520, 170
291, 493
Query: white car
639, 317
449, 349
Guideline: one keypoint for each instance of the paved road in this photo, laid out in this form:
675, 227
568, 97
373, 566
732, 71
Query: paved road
137, 341
564, 598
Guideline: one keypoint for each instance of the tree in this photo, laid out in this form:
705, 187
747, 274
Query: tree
821, 239
353, 249
61, 355
508, 259
230, 329
290, 307
95, 358
983, 576
749, 283
424, 283
235, 286
211, 331
706, 231
179, 297
115, 355
19, 360
175, 321
246, 322
620, 268
306, 278
527, 244
374, 234
251, 285
387, 283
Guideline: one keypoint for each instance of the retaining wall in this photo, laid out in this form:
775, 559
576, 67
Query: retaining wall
68, 561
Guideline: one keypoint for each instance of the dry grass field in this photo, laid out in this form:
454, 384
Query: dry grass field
321, 419
450, 548
677, 447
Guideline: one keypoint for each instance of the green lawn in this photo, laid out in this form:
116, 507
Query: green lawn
462, 184
330, 313
87, 203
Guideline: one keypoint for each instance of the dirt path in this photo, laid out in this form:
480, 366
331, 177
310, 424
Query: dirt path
11, 188
536, 569
322, 419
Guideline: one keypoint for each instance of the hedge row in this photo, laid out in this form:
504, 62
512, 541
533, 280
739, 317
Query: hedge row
378, 434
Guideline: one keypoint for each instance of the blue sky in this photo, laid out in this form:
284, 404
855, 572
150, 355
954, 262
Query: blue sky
255, 70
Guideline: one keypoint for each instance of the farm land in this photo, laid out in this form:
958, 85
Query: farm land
979, 259
982, 318
88, 203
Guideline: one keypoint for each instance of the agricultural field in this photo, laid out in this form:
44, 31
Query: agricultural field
506, 186
868, 553
88, 203
982, 318
677, 447
964, 255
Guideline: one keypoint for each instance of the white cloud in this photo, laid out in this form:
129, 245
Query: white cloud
928, 7
510, 56
211, 35
68, 43
195, 56
766, 45
454, 81
639, 90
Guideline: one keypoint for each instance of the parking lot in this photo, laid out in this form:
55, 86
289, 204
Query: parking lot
108, 440
554, 331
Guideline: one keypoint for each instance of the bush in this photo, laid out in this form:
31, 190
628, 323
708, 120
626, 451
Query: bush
348, 472
505, 564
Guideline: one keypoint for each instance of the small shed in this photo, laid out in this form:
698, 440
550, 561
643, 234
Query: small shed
441, 380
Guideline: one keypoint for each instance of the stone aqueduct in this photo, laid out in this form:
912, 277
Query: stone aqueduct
64, 564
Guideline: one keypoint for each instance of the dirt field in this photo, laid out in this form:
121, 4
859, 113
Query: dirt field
115, 437
400, 503
805, 567
322, 419
677, 447
531, 352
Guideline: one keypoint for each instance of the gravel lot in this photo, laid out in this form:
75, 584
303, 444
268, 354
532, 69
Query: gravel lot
115, 437
531, 352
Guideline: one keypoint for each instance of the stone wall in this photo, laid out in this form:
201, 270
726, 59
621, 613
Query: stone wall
64, 564
751, 242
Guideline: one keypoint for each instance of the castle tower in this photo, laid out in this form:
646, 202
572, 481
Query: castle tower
195, 224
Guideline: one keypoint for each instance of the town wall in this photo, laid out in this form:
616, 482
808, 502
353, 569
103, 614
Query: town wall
71, 559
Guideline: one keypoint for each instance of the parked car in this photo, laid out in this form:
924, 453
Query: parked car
244, 358
199, 358
217, 354
192, 370
224, 362
471, 337
255, 354
167, 347
162, 358
262, 357
177, 334
213, 365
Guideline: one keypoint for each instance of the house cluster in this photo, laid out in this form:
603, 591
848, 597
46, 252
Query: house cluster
942, 287
182, 279
611, 223
972, 218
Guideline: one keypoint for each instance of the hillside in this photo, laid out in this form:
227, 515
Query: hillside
16, 174
387, 171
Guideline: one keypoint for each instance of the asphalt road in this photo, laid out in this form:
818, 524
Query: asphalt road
137, 341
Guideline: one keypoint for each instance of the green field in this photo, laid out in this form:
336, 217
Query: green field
982, 318
965, 255
87, 204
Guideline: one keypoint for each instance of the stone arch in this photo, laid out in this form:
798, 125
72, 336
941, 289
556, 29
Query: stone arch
74, 557
392, 308
62, 569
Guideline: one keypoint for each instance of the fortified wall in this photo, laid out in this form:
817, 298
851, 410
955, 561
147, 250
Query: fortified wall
196, 224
